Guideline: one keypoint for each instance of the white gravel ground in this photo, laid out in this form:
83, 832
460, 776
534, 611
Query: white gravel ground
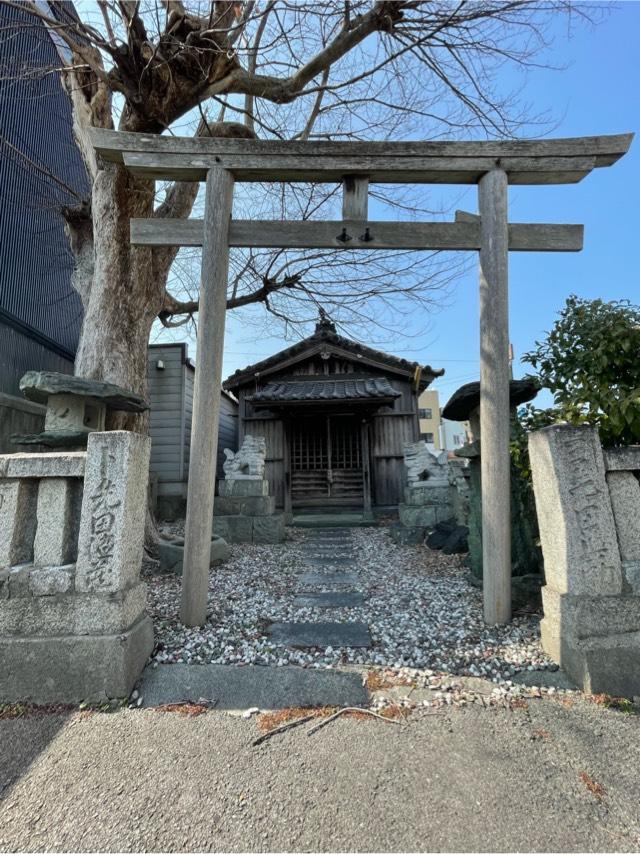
420, 608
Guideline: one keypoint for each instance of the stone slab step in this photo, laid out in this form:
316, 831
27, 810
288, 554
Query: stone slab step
320, 634
328, 600
328, 561
337, 520
319, 551
328, 579
240, 688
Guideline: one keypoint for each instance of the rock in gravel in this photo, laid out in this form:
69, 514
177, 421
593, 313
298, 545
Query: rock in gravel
457, 542
440, 534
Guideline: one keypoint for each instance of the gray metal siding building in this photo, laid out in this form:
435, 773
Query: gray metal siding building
170, 377
41, 171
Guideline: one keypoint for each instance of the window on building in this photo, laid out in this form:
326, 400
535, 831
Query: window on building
425, 413
428, 437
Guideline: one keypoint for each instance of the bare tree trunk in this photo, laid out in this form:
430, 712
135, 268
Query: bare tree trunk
124, 296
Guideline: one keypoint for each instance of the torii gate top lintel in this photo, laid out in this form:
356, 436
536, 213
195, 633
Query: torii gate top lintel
490, 165
546, 161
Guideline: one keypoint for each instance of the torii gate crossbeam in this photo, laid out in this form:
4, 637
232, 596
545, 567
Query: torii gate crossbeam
490, 165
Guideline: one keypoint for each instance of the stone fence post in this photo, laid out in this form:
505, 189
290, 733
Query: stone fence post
73, 623
588, 529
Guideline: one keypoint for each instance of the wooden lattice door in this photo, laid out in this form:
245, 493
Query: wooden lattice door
326, 461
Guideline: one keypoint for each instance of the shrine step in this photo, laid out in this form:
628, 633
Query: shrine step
336, 599
320, 634
332, 520
240, 688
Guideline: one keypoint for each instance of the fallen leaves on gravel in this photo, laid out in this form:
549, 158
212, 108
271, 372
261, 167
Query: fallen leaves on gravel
381, 680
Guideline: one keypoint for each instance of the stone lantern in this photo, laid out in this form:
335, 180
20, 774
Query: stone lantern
464, 405
75, 406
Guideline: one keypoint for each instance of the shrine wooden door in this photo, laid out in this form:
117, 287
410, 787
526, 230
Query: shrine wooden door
326, 461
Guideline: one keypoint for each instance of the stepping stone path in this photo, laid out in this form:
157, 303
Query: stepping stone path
325, 548
328, 600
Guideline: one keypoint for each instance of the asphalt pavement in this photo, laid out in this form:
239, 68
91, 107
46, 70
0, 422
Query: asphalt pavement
555, 775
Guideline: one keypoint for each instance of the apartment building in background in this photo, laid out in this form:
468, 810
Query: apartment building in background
436, 430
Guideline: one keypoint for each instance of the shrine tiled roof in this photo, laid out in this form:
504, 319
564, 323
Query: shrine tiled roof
325, 391
326, 336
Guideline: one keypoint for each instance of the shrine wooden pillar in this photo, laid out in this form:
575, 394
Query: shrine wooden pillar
494, 396
366, 469
206, 396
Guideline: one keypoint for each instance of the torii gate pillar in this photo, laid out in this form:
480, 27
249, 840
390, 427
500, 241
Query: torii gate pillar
494, 395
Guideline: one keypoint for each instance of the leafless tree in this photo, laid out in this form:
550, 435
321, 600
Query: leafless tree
340, 69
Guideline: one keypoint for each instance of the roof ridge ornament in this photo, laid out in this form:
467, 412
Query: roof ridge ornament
324, 324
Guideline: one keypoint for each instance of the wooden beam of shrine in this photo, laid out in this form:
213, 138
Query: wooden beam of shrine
347, 234
545, 161
381, 170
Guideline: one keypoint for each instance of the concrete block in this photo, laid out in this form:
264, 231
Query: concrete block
233, 529
624, 489
253, 505
417, 517
238, 688
268, 529
51, 580
113, 511
19, 580
577, 529
427, 496
73, 668
18, 500
58, 515
74, 613
171, 554
58, 464
623, 459
242, 488
579, 617
444, 513
600, 665
631, 573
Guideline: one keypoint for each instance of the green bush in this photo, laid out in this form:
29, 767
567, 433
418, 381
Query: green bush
590, 361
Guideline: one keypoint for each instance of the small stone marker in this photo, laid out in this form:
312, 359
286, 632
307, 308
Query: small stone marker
113, 511
320, 634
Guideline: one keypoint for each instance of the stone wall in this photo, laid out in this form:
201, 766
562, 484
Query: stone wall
588, 505
73, 624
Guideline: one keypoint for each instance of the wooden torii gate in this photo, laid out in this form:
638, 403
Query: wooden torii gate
490, 165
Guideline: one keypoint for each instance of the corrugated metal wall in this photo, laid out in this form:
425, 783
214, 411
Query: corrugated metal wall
19, 353
36, 140
165, 397
171, 399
